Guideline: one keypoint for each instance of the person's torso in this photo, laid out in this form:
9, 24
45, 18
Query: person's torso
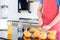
50, 11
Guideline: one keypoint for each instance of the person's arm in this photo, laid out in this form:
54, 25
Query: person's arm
57, 18
39, 14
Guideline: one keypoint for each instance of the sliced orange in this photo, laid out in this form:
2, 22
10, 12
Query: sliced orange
53, 32
43, 35
32, 30
50, 36
39, 28
36, 34
27, 34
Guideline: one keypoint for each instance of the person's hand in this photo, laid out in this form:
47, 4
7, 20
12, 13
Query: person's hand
46, 27
40, 22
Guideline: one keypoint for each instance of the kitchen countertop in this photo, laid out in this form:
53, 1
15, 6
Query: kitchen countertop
25, 21
3, 34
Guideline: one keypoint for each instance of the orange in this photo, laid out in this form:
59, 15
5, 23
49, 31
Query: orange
53, 32
43, 35
27, 34
36, 34
52, 39
50, 36
32, 30
39, 28
36, 38
27, 38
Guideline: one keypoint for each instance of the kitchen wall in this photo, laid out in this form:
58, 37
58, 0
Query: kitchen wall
3, 8
0, 10
13, 10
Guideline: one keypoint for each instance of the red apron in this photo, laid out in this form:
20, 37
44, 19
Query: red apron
50, 11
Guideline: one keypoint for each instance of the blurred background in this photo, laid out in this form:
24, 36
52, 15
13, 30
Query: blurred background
19, 21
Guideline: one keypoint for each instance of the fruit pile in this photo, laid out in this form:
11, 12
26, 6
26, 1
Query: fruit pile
38, 34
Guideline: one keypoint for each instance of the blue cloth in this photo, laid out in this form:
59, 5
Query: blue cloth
57, 1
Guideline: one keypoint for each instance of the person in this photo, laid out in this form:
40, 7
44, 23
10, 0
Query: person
49, 15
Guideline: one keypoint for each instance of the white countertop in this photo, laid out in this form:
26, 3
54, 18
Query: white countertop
3, 28
3, 34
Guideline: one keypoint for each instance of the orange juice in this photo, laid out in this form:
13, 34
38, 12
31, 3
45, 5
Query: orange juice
10, 31
10, 36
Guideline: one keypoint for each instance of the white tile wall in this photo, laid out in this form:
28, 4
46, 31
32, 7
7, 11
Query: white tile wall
3, 24
13, 10
4, 11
